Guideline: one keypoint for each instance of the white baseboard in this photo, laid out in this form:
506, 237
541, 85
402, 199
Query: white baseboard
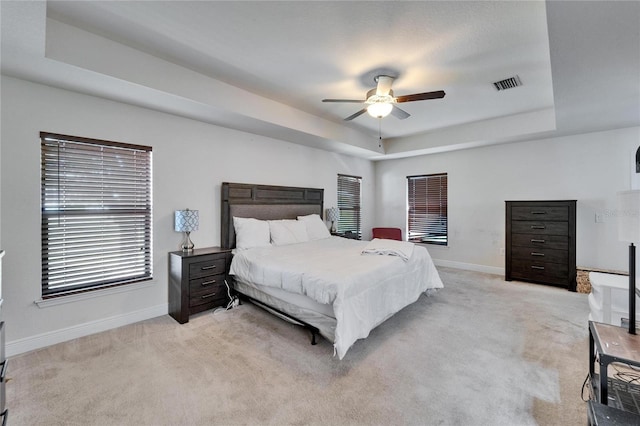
27, 344
470, 267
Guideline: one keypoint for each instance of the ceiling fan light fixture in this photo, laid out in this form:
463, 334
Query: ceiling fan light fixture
380, 100
379, 109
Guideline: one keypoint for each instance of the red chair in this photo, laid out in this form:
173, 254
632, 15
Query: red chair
387, 233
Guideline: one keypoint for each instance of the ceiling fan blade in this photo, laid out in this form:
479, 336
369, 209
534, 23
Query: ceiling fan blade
357, 114
384, 85
355, 101
399, 113
421, 96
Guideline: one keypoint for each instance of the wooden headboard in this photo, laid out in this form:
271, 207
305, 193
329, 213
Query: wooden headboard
265, 202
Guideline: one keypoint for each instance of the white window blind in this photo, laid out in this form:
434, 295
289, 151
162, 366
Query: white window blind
96, 214
427, 205
349, 200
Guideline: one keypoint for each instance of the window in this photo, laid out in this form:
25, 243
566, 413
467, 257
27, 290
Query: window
96, 214
427, 203
349, 204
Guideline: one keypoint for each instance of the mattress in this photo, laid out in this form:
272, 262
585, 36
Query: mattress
363, 289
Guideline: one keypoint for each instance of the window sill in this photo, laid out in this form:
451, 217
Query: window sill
433, 246
55, 301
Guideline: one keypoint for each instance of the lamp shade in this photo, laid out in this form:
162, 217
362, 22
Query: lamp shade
186, 220
333, 214
629, 216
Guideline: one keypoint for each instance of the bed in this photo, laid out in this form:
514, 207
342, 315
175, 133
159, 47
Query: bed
322, 282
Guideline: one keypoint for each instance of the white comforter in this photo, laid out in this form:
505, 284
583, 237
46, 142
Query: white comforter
386, 247
364, 290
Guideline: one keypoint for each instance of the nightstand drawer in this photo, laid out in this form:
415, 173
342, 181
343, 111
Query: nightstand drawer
213, 293
205, 282
212, 266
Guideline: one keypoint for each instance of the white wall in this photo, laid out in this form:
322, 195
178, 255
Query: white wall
589, 168
190, 160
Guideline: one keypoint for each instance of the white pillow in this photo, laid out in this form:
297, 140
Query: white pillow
251, 233
287, 232
316, 228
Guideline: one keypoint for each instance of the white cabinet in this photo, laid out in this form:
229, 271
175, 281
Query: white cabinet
609, 298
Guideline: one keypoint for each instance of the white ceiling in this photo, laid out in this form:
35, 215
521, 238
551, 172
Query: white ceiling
264, 67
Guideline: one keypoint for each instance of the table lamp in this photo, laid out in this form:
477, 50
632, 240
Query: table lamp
629, 231
186, 221
333, 214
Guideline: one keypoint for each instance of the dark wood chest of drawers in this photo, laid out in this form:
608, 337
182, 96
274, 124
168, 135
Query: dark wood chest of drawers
197, 281
541, 242
4, 412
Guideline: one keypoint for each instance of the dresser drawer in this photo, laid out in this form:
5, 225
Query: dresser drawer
557, 242
540, 228
211, 266
530, 269
560, 213
540, 254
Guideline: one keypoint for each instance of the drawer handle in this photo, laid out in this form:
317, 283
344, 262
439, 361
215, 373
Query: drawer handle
537, 254
206, 296
537, 267
206, 268
539, 212
538, 226
533, 240
206, 283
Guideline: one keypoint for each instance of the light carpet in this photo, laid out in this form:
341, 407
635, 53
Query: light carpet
481, 351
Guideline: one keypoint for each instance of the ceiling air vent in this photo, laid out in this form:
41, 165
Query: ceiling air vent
508, 83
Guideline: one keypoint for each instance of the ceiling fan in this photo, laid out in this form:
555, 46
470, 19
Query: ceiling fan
381, 102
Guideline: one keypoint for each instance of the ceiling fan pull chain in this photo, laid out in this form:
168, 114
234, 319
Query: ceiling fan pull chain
379, 132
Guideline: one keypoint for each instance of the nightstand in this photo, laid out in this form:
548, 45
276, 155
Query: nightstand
349, 234
196, 281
